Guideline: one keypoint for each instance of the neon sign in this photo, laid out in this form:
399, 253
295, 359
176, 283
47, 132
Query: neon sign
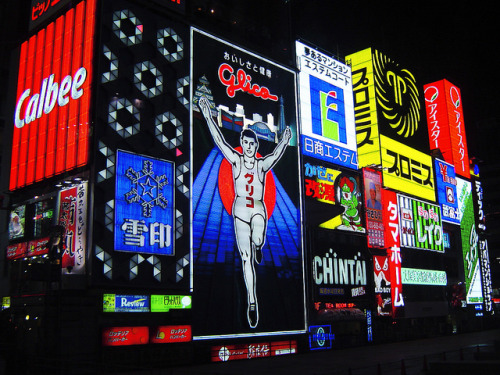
445, 123
125, 303
52, 118
125, 336
327, 109
415, 276
320, 337
144, 211
164, 303
242, 81
446, 189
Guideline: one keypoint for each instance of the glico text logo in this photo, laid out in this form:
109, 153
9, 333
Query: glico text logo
242, 81
50, 92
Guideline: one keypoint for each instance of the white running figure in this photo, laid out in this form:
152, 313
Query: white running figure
249, 211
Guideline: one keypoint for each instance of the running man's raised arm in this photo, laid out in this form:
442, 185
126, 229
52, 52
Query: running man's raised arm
229, 153
270, 160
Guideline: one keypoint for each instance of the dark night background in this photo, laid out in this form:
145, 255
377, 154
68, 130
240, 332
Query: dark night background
456, 40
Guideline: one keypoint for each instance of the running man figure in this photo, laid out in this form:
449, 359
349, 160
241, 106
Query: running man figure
249, 212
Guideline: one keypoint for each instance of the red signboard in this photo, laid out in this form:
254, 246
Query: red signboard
223, 353
445, 122
391, 218
122, 336
168, 334
38, 247
51, 120
17, 251
394, 256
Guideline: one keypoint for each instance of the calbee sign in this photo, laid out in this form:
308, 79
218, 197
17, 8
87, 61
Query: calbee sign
50, 93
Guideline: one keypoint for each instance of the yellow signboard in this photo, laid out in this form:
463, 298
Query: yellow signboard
365, 110
407, 170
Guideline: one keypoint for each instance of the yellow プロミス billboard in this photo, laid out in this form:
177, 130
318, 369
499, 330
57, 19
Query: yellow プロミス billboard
407, 170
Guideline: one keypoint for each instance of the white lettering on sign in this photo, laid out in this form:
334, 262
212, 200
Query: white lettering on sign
50, 92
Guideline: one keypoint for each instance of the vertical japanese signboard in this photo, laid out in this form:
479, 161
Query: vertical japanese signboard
446, 191
73, 218
52, 114
373, 207
387, 102
445, 121
144, 207
470, 243
246, 232
391, 218
326, 106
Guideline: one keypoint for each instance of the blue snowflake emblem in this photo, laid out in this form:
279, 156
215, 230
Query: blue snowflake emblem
146, 189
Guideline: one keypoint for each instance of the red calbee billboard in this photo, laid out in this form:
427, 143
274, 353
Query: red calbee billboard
445, 122
51, 118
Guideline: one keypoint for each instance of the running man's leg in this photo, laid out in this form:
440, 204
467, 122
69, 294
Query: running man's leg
243, 240
258, 226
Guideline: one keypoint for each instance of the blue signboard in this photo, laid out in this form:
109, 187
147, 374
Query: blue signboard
446, 187
125, 303
144, 204
320, 337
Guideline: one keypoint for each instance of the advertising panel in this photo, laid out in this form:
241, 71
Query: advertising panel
382, 277
407, 170
125, 336
170, 334
165, 303
446, 191
391, 218
246, 242
255, 350
73, 218
445, 122
394, 256
17, 222
339, 275
478, 205
320, 337
373, 206
52, 119
16, 251
326, 106
396, 96
332, 197
125, 303
142, 108
365, 108
486, 275
421, 225
144, 207
470, 243
414, 276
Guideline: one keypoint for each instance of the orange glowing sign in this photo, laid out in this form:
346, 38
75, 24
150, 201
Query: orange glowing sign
51, 119
445, 122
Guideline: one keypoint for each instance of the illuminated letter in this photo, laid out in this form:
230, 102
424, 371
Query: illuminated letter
17, 121
63, 91
78, 81
52, 91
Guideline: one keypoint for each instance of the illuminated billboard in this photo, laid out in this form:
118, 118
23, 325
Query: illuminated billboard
332, 197
125, 336
414, 276
246, 221
339, 271
391, 218
165, 303
72, 216
445, 122
224, 353
144, 207
52, 114
446, 191
486, 275
386, 101
388, 283
142, 108
420, 224
17, 222
407, 170
326, 108
373, 207
470, 243
125, 303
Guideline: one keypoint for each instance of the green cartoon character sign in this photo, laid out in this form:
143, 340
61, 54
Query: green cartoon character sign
347, 193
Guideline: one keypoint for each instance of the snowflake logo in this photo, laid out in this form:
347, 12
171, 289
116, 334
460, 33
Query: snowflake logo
146, 188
